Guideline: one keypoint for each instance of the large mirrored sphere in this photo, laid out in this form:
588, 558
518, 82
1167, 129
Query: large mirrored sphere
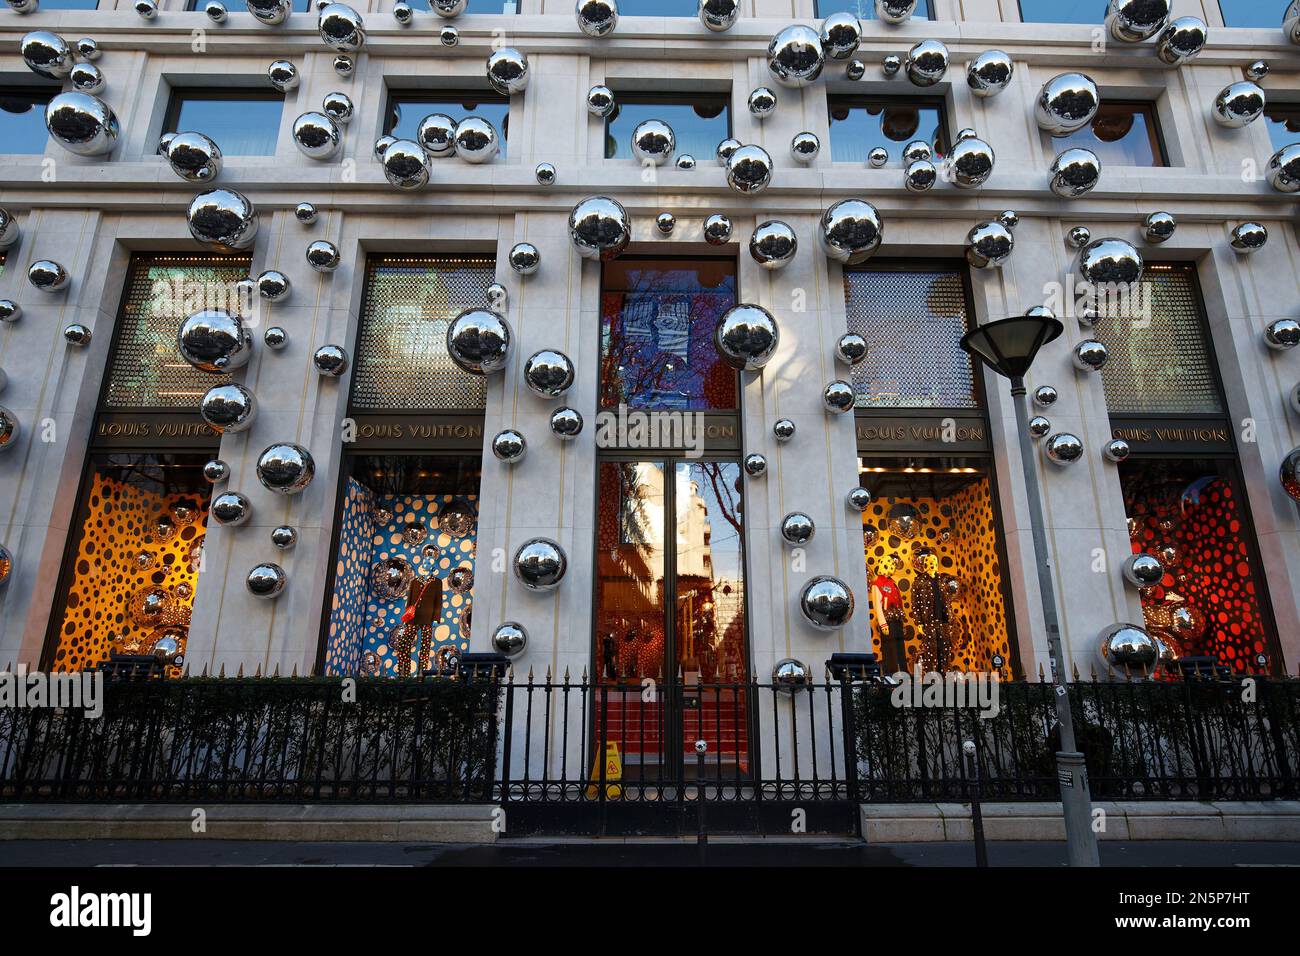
87, 78
746, 336
596, 18
525, 258
1074, 172
82, 124
1090, 355
216, 471
851, 348
804, 147
1136, 20
223, 218
273, 285
540, 564
1063, 448
283, 75
478, 340
1282, 334
653, 142
797, 528
762, 102
509, 446
969, 163
566, 423
286, 468
719, 15
990, 73
794, 56
214, 341
1159, 227
510, 638
266, 580
549, 373
1291, 21
1283, 170
1182, 40
330, 360
228, 408
600, 101
46, 275
507, 71
193, 157
270, 12
717, 230
477, 140
1238, 105
9, 231
1066, 103
840, 35
437, 135
838, 397
599, 228
316, 135
406, 164
1127, 647
1110, 260
749, 169
920, 176
826, 602
989, 244
927, 62
773, 244
341, 28
1248, 237
755, 465
338, 106
323, 255
46, 54
850, 231
1142, 570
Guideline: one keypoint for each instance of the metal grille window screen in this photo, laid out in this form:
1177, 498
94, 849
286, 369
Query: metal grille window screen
161, 291
402, 360
913, 322
1159, 359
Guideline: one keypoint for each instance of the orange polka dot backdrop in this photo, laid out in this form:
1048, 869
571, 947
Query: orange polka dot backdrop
102, 608
961, 531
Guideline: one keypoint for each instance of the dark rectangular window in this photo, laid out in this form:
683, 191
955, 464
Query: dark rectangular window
861, 123
866, 9
656, 334
407, 110
299, 6
700, 122
241, 123
22, 118
1063, 11
69, 4
1283, 124
658, 8
1121, 134
1251, 13
497, 6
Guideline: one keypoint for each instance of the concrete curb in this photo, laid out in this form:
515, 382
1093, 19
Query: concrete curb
1170, 820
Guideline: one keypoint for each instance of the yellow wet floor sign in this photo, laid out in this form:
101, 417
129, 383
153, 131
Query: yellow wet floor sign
613, 771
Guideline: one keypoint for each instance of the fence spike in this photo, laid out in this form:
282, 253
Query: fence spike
1075, 668
584, 675
566, 675
548, 673
9, 668
1040, 672
205, 671
1110, 671
1094, 671
530, 673
222, 675
295, 668
259, 669
510, 673
185, 674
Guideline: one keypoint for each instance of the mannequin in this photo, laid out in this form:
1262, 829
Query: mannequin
931, 615
423, 602
887, 614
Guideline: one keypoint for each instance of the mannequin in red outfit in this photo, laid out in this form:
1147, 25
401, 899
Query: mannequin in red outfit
887, 615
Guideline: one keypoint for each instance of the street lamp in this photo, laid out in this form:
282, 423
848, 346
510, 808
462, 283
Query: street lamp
1009, 346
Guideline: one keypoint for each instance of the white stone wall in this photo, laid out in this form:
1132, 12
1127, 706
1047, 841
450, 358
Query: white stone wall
91, 214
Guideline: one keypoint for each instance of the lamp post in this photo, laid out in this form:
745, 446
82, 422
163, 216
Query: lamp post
1008, 346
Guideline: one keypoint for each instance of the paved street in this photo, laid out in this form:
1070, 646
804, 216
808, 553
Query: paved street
199, 852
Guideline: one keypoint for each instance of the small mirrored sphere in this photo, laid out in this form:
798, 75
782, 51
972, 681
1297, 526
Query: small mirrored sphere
783, 429
1117, 449
850, 231
9, 231
840, 35
920, 176
284, 537
600, 101
478, 340
275, 337
749, 169
193, 157
316, 135
927, 62
283, 75
1283, 170
599, 228
1182, 40
858, 499
147, 9
545, 174
566, 423
826, 602
597, 18
1256, 70
510, 638
344, 65
1289, 473
1039, 426
666, 222
717, 230
436, 135
77, 334
266, 580
88, 49
878, 157
719, 15
762, 102
507, 71
273, 286
82, 124
794, 56
1282, 334
509, 446
1238, 105
449, 35
797, 528
10, 311
790, 676
990, 73
337, 106
1142, 570
214, 341
851, 348
403, 13
804, 147
773, 244
894, 12
223, 218
837, 397
216, 471
270, 12
341, 28
969, 163
685, 161
1089, 355
46, 54
1066, 103
228, 408
1074, 172
653, 141
1159, 227
1079, 236
540, 564
448, 8
46, 275
988, 245
1045, 396
9, 429
525, 258
1128, 648
1136, 20
890, 64
725, 149
1291, 21
549, 373
755, 465
323, 255
1249, 237
1110, 260
286, 468
477, 140
1063, 448
87, 78
330, 360
855, 71
498, 298
746, 336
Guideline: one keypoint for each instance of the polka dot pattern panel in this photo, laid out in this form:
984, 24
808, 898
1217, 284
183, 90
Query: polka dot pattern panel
351, 581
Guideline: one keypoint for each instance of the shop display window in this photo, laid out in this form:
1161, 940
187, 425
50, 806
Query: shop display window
935, 566
129, 587
1193, 517
402, 594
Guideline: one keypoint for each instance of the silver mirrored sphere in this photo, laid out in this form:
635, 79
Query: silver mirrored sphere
989, 244
1159, 227
840, 35
510, 638
147, 9
1039, 426
540, 564
344, 65
850, 231
283, 75
1079, 236
284, 537
1182, 40
478, 340
762, 102
1291, 21
566, 423
1282, 334
231, 508
1089, 355
275, 338
797, 528
599, 228
436, 135
1117, 450
858, 499
1289, 474
1136, 20
449, 35
216, 471
783, 430
525, 258
856, 70
507, 71
77, 334
214, 341
549, 373
448, 8
826, 602
545, 174
1142, 570
666, 222
719, 15
725, 149
969, 163
600, 101
1128, 648
270, 12
10, 311
403, 13
46, 275
851, 348
88, 49
498, 298
1248, 237
273, 286
1110, 260
755, 465
894, 12
341, 28
316, 135
1063, 448
477, 140
46, 54
804, 147
87, 78
773, 244
1066, 103
990, 73
749, 170
330, 360
878, 157
790, 676
920, 176
1283, 170
1045, 396
837, 397
323, 255
927, 62
223, 218
266, 580
717, 230
193, 157
285, 468
1074, 172
746, 336
9, 231
509, 446
1256, 70
1238, 105
82, 124
9, 429
337, 106
794, 56
891, 64
653, 141
228, 408
597, 18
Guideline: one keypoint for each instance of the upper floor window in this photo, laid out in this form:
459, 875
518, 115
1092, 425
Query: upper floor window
407, 110
1063, 11
1251, 13
658, 8
1283, 124
499, 6
299, 6
1122, 134
861, 123
866, 9
241, 122
69, 4
22, 118
656, 334
699, 121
